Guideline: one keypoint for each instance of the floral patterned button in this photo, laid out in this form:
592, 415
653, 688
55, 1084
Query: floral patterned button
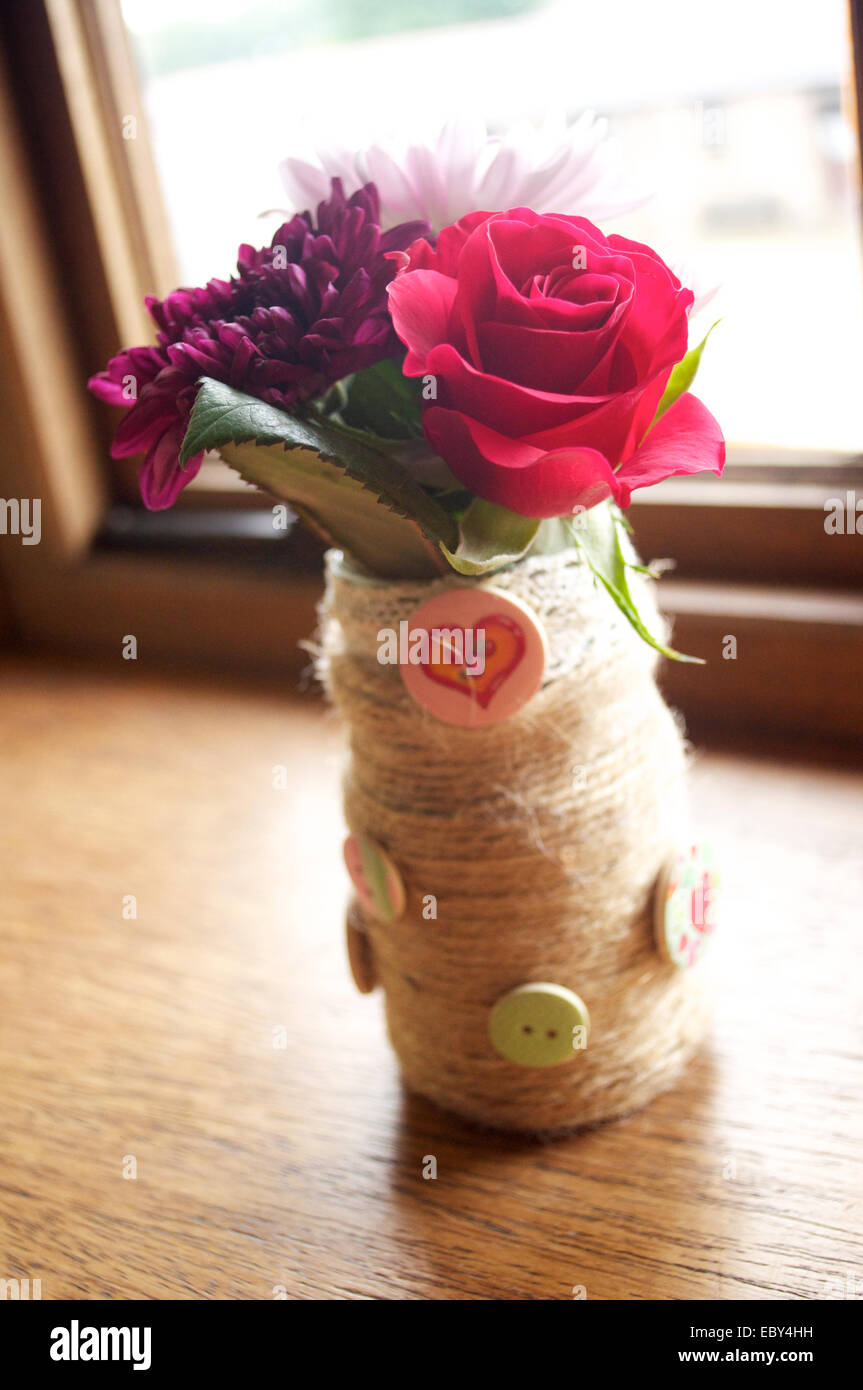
375, 877
686, 902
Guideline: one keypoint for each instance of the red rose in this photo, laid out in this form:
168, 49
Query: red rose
550, 346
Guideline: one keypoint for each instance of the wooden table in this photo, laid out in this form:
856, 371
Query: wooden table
214, 1046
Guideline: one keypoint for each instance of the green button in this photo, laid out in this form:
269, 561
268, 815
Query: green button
539, 1025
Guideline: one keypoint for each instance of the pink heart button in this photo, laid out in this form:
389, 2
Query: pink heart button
472, 656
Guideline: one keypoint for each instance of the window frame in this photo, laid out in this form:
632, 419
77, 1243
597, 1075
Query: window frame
752, 555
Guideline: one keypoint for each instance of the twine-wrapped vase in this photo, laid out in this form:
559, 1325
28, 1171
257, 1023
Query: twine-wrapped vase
528, 852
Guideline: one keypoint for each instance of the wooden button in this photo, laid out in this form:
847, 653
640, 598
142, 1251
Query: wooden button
360, 955
375, 877
472, 657
686, 900
539, 1025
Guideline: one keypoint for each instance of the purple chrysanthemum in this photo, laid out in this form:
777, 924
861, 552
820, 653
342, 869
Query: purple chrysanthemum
301, 313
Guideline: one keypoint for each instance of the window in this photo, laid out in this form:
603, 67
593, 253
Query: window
740, 118
155, 167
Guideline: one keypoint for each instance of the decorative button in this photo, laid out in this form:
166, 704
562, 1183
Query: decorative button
360, 955
374, 875
472, 656
539, 1025
686, 900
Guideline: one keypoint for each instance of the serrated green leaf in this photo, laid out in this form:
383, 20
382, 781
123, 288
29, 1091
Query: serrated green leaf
354, 494
682, 376
491, 537
598, 535
338, 509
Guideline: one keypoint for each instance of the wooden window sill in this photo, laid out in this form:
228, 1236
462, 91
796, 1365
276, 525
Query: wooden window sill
247, 604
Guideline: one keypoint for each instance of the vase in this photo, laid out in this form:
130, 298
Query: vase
519, 882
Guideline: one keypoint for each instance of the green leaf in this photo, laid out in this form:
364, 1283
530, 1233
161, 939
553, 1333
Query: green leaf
350, 492
554, 535
415, 456
491, 537
426, 467
339, 509
682, 376
383, 400
598, 535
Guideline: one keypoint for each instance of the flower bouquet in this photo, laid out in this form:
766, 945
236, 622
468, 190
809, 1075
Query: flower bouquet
463, 411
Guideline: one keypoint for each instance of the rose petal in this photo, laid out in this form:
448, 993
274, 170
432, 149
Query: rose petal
546, 359
504, 405
686, 439
517, 475
421, 302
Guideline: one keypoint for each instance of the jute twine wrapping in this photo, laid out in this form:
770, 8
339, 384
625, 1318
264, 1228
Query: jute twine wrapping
541, 839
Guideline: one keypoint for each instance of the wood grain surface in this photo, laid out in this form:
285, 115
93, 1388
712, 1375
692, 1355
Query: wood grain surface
217, 1041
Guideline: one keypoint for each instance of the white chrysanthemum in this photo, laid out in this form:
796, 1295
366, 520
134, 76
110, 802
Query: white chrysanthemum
557, 167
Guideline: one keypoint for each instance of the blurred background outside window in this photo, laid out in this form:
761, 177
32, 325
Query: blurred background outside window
741, 124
